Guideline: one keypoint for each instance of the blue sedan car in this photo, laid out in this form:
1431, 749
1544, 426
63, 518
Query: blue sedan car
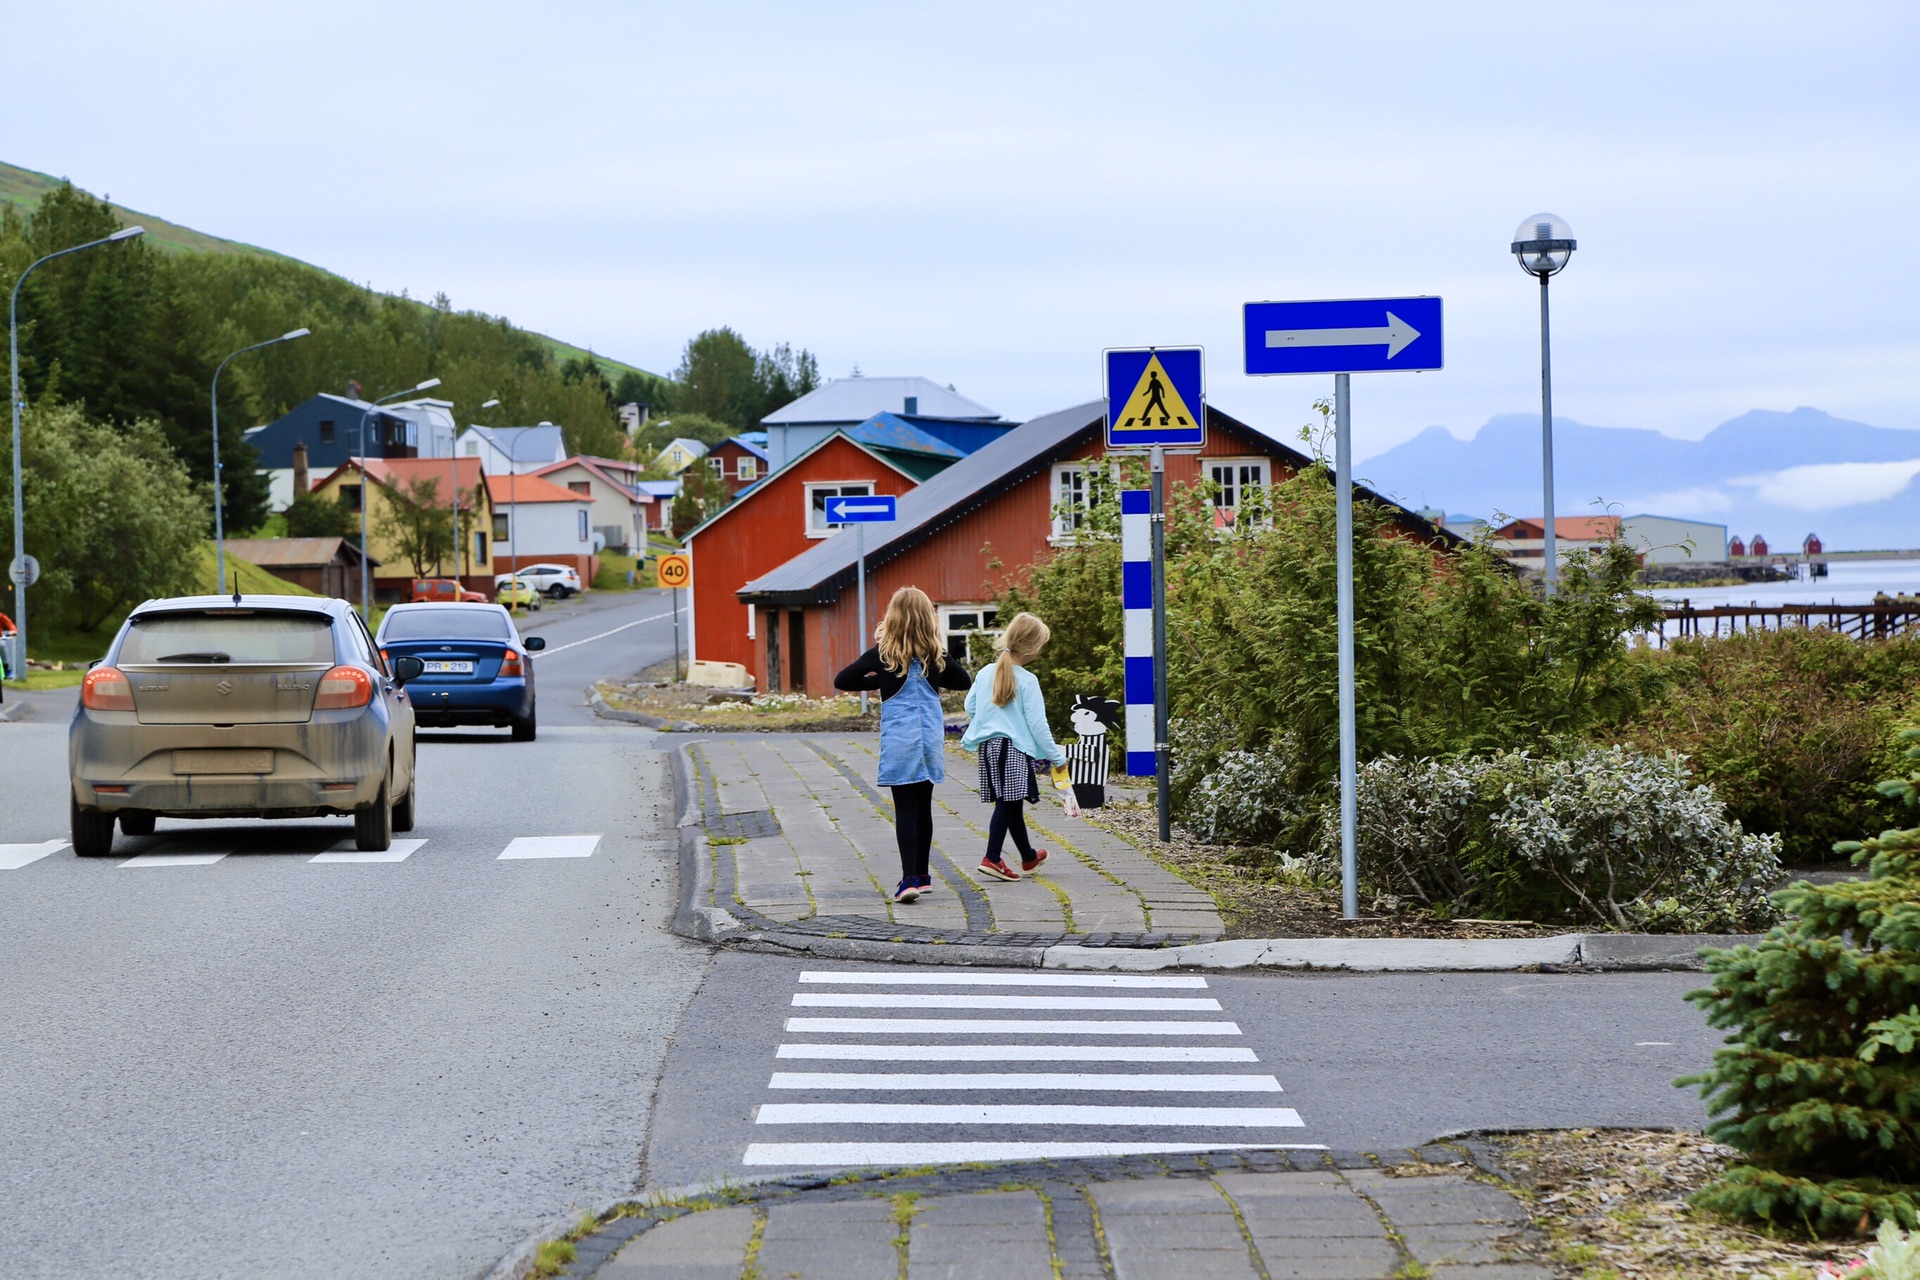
476, 668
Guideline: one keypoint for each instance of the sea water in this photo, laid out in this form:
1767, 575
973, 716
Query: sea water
1847, 582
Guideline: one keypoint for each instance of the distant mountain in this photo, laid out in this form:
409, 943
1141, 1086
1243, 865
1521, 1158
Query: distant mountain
1780, 474
25, 188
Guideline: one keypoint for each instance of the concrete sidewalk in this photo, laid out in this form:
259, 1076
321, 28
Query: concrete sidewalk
796, 838
1254, 1215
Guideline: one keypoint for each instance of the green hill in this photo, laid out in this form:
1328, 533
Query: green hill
25, 188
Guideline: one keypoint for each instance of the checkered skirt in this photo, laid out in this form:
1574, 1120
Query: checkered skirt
1007, 773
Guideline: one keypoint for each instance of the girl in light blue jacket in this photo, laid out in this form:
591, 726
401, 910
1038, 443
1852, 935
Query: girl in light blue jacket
1009, 730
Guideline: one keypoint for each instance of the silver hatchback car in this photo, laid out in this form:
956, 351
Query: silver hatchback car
242, 707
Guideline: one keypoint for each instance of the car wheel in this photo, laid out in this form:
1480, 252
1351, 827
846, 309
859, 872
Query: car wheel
524, 730
557, 592
136, 822
90, 830
373, 823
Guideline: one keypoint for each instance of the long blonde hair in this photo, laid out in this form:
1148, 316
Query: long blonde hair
910, 630
1023, 639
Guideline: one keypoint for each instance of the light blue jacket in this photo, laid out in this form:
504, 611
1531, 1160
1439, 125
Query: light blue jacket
1022, 722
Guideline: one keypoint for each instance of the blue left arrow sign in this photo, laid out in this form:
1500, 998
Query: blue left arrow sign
1359, 335
870, 509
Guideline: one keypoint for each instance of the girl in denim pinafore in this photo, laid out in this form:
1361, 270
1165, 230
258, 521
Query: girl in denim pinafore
908, 666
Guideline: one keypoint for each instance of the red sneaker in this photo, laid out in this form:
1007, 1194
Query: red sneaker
998, 870
1028, 864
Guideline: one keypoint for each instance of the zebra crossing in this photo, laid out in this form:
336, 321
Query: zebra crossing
204, 849
871, 1091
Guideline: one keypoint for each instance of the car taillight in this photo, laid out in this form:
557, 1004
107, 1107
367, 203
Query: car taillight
510, 665
106, 689
343, 688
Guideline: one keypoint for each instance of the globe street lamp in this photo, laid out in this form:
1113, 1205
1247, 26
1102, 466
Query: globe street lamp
494, 403
219, 523
22, 571
1542, 246
366, 494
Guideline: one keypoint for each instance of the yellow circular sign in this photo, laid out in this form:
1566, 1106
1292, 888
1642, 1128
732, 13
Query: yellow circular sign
676, 571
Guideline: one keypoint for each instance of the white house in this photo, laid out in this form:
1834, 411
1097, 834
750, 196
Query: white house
434, 426
794, 428
617, 507
1674, 540
517, 449
536, 521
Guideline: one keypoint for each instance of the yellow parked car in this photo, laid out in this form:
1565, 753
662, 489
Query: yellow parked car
517, 593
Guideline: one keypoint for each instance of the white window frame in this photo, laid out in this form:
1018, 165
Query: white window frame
746, 468
840, 488
717, 465
586, 531
1061, 530
947, 631
1232, 491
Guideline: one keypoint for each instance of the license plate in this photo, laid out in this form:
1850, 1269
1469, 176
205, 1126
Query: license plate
223, 762
440, 667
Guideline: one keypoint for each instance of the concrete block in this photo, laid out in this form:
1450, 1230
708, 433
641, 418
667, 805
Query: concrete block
699, 1246
1671, 951
993, 1236
839, 1240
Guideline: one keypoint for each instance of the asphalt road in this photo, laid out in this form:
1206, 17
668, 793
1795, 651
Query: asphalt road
1351, 1062
266, 1066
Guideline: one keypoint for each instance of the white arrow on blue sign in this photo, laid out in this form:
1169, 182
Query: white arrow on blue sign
874, 509
1360, 335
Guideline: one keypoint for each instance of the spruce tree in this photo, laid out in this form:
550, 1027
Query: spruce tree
1820, 1084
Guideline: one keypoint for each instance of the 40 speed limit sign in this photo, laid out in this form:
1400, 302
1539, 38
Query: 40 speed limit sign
676, 570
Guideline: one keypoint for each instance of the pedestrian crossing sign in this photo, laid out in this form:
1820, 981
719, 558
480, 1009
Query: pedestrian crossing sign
1155, 395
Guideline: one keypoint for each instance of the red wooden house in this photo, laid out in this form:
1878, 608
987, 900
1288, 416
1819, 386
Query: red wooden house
1003, 506
738, 463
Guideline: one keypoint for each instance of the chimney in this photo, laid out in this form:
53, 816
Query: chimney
302, 482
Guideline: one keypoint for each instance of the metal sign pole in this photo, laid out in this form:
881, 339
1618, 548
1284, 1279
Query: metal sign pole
676, 633
1343, 561
860, 549
1162, 780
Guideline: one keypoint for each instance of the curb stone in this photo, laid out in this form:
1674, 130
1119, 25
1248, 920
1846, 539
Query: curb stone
597, 1248
1566, 952
605, 712
19, 709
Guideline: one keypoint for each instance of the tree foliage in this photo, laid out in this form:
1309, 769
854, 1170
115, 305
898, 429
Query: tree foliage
1820, 1084
415, 524
722, 378
109, 512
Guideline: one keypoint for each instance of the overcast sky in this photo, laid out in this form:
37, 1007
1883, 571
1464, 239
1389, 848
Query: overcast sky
988, 194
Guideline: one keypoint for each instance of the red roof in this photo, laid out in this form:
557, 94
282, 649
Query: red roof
393, 472
519, 489
1571, 528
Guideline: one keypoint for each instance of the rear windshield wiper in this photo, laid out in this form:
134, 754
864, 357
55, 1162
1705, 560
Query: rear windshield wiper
196, 657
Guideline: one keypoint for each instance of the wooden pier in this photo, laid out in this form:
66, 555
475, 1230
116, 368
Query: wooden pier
1861, 621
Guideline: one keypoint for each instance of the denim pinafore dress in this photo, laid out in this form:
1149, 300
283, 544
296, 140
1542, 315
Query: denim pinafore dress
912, 733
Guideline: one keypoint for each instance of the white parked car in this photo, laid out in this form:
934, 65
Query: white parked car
555, 581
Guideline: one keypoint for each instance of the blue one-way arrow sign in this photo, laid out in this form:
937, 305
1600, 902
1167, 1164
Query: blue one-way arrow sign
876, 509
1362, 335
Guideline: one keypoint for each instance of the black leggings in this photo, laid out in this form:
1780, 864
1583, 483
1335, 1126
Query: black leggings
913, 827
1008, 819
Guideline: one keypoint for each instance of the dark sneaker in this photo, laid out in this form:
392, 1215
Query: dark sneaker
907, 891
1028, 864
926, 884
998, 870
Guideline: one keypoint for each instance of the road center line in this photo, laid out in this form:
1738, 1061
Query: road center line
1026, 1113
1011, 1026
918, 1000
1092, 1081
575, 644
1016, 1053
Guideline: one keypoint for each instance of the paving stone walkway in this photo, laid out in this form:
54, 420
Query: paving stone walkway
800, 839
1251, 1216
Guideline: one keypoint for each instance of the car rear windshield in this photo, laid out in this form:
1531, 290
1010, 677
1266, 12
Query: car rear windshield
224, 637
468, 622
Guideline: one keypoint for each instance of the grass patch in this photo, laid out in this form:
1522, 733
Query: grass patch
42, 680
614, 568
551, 1258
775, 712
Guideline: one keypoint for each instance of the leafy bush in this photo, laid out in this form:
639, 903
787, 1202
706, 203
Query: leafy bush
1820, 1084
1791, 727
1605, 837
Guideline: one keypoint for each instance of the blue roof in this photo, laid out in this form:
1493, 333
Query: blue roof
757, 448
891, 431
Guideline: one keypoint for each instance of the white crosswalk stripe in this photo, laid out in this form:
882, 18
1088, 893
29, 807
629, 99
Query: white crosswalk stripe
15, 856
187, 848
398, 851
1013, 1114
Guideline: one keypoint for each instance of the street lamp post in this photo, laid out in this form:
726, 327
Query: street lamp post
219, 522
456, 494
366, 493
1542, 246
18, 570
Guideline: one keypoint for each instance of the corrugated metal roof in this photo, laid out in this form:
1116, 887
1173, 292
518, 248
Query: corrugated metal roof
818, 574
888, 431
857, 399
525, 444
757, 448
291, 553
